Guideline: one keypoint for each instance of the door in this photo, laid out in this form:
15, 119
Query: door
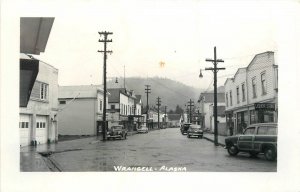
245, 141
41, 129
24, 128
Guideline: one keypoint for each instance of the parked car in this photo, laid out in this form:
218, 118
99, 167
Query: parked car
257, 138
195, 130
184, 127
118, 131
142, 129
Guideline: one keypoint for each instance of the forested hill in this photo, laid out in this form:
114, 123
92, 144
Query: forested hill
171, 92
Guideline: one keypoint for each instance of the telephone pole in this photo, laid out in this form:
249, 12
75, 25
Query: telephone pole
215, 70
147, 89
158, 105
105, 41
191, 104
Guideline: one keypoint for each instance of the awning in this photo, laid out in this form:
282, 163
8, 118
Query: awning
29, 69
34, 34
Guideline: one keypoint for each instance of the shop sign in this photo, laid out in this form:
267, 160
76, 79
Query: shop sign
264, 106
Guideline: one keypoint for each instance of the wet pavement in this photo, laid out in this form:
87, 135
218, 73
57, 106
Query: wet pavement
160, 150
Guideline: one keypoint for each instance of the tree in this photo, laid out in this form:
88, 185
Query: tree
178, 110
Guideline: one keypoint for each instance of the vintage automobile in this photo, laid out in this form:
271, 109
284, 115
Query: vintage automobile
184, 127
142, 129
257, 138
118, 131
195, 131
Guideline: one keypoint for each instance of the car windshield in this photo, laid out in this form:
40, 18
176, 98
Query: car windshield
195, 126
114, 128
186, 125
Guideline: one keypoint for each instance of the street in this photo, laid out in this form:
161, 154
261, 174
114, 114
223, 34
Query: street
159, 150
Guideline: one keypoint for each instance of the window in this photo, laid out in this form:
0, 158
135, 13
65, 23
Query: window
226, 99
37, 125
62, 102
230, 95
100, 105
40, 91
254, 87
249, 131
243, 92
263, 83
238, 95
267, 130
23, 125
113, 107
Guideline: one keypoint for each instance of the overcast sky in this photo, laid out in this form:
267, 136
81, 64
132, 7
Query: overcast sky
182, 34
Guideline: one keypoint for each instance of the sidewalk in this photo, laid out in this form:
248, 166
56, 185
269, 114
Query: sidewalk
32, 161
210, 137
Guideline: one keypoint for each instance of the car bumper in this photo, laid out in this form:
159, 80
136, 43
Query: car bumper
195, 134
114, 136
142, 131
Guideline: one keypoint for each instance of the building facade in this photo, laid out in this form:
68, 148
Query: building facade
205, 102
38, 122
251, 96
124, 108
80, 110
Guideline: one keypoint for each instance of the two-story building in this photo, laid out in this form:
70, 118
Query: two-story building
38, 84
251, 95
38, 123
124, 108
80, 110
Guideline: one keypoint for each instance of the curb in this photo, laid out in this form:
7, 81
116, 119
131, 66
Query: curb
209, 139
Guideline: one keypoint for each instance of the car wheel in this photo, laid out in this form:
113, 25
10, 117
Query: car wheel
125, 136
200, 136
270, 154
188, 136
233, 150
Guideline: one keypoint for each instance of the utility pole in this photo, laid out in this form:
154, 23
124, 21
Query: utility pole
105, 41
158, 105
147, 89
215, 70
191, 104
166, 116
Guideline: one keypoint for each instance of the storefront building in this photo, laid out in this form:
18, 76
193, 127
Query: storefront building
251, 96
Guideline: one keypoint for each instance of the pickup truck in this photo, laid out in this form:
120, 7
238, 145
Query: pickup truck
257, 138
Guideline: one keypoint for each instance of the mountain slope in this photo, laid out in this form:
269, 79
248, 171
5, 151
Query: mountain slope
171, 92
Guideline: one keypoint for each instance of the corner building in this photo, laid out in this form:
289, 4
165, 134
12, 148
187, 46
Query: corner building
251, 96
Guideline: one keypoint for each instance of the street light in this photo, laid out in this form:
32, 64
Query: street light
200, 76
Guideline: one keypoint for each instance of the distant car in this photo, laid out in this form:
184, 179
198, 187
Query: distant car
195, 131
184, 127
257, 138
118, 131
142, 129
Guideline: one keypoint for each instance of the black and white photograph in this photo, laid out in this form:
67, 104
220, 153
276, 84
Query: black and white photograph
113, 94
